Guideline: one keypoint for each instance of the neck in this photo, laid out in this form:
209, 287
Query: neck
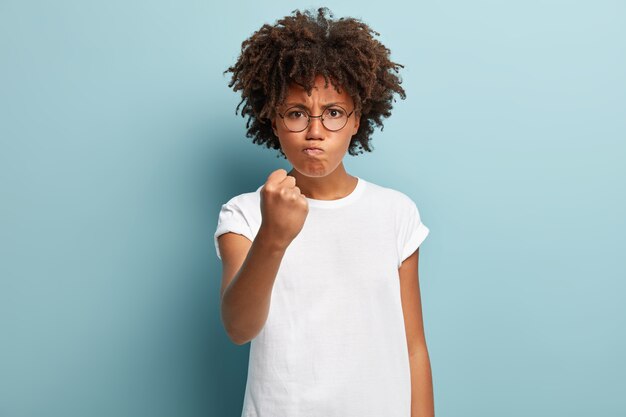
336, 185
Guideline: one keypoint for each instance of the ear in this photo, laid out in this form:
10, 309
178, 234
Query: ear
357, 123
273, 121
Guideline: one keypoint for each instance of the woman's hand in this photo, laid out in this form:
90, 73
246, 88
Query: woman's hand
283, 208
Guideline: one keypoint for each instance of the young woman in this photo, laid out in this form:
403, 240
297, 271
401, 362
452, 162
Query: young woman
320, 267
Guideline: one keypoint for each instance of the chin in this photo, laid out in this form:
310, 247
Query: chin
314, 171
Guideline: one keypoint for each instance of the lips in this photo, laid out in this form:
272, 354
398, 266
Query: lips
313, 151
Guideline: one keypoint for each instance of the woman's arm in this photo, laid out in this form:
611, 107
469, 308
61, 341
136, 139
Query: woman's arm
250, 268
248, 273
422, 401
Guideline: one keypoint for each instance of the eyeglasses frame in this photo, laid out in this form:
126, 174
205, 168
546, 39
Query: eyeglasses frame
309, 117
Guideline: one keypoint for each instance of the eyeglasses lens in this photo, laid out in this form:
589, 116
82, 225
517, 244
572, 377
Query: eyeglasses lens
333, 118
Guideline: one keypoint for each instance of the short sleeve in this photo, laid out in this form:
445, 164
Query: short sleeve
231, 219
412, 232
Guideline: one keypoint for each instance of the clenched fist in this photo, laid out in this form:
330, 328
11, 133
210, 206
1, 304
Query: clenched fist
283, 207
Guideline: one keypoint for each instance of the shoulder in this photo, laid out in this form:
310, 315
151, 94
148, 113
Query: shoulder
246, 202
394, 199
397, 205
243, 208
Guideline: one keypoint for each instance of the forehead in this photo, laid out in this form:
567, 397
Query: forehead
297, 93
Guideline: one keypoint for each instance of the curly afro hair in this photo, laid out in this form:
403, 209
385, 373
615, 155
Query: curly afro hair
299, 47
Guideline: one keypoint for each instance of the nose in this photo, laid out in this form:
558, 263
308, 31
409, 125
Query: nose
315, 125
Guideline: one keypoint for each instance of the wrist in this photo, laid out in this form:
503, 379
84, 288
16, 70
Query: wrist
266, 239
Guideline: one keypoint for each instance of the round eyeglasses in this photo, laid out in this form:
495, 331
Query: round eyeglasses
333, 118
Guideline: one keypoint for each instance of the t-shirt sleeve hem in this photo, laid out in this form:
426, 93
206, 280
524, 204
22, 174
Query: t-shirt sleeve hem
231, 219
416, 240
226, 230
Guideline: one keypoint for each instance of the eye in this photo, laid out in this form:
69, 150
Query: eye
334, 113
295, 114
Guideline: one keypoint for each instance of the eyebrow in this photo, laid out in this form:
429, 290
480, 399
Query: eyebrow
323, 105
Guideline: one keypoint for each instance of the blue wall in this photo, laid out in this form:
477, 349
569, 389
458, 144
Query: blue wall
119, 143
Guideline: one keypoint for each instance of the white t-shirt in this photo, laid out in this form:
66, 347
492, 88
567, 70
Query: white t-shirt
334, 343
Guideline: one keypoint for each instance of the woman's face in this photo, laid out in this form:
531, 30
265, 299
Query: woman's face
333, 144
